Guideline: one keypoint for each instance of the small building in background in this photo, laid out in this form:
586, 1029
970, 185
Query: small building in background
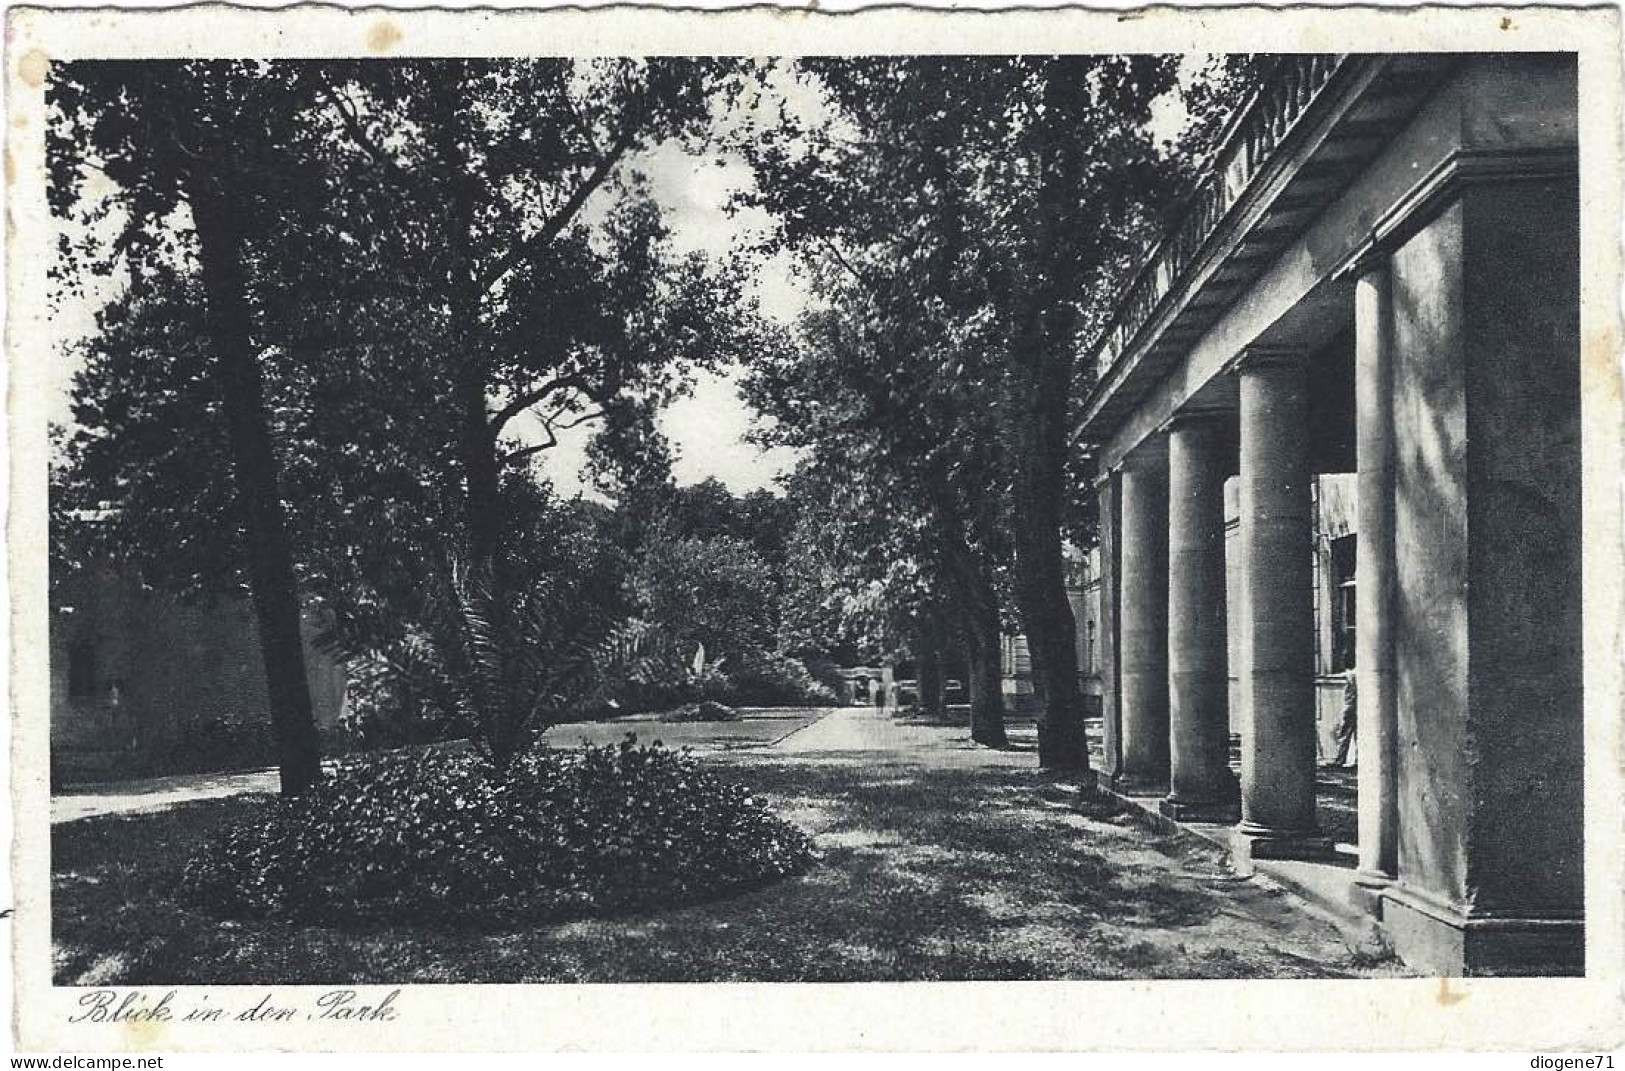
1083, 594
144, 684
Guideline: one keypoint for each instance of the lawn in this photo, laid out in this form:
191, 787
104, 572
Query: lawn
927, 872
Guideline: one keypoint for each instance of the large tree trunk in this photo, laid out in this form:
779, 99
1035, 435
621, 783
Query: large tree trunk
481, 482
1043, 437
1041, 596
254, 466
982, 658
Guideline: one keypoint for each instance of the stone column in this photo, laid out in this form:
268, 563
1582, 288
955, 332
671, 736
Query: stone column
1374, 575
1106, 637
1201, 784
1278, 745
1143, 629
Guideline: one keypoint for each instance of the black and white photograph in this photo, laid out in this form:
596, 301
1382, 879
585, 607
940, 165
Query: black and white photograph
1073, 508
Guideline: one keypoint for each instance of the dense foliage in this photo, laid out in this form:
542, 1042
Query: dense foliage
441, 835
364, 298
968, 224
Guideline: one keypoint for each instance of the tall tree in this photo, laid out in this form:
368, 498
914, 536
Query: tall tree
408, 234
904, 461
228, 145
558, 297
1005, 193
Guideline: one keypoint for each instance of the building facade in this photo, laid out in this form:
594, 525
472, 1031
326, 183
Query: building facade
1367, 322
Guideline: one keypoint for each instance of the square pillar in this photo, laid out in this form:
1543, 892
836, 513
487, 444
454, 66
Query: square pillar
1106, 639
1488, 641
1278, 745
1376, 712
1143, 624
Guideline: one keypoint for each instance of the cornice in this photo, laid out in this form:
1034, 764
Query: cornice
1443, 185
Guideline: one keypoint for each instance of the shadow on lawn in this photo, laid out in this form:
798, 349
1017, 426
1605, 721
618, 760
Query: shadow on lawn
927, 872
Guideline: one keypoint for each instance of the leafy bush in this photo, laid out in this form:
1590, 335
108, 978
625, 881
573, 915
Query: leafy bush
442, 643
669, 685
774, 680
388, 706
717, 592
215, 744
705, 710
444, 835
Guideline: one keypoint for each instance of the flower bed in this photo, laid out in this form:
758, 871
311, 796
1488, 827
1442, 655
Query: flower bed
441, 835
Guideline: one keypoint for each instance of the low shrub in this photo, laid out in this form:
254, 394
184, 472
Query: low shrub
681, 687
829, 674
392, 701
705, 710
208, 746
755, 679
441, 835
769, 679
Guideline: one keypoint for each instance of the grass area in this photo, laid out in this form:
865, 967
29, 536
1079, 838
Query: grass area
928, 872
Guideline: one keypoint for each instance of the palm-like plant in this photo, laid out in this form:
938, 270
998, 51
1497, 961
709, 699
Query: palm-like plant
514, 664
505, 667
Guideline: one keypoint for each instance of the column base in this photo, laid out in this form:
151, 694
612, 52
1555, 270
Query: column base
1222, 806
1139, 784
1216, 812
1249, 842
1443, 940
1366, 893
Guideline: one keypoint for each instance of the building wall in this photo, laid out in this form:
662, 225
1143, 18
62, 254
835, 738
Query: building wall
1016, 665
1084, 596
142, 684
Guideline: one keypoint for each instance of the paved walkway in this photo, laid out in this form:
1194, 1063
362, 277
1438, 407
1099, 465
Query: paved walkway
848, 729
156, 793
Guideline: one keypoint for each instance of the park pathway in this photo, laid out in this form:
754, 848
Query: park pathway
758, 728
849, 729
156, 793
936, 860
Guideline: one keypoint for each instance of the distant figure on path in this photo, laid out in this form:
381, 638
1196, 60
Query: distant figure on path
1347, 752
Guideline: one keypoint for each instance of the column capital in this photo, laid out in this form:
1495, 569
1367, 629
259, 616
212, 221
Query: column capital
1445, 184
1260, 357
1152, 453
1199, 417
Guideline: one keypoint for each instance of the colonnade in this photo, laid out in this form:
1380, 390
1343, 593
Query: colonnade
1462, 279
1169, 683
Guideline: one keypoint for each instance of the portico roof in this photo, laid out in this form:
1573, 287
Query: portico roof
1301, 139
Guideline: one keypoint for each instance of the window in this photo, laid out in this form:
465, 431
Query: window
1343, 603
82, 669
